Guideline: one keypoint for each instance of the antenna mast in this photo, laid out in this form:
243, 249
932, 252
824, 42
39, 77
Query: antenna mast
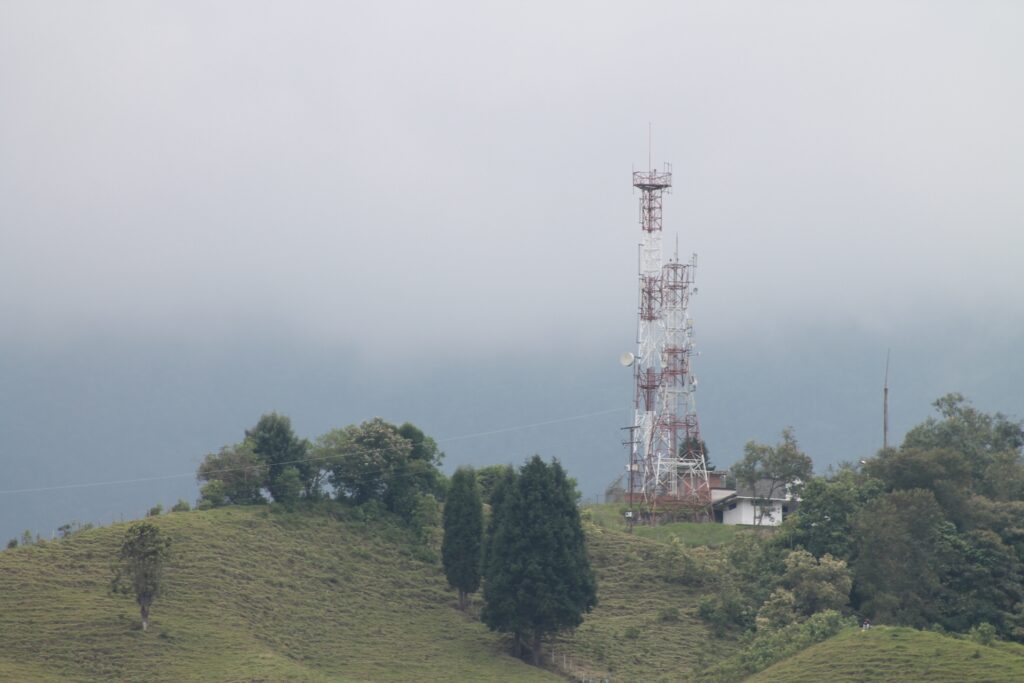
667, 467
885, 404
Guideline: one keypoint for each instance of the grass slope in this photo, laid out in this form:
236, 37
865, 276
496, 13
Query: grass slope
253, 595
262, 595
898, 655
645, 626
609, 516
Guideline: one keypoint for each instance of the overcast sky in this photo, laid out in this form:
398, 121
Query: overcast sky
460, 172
392, 182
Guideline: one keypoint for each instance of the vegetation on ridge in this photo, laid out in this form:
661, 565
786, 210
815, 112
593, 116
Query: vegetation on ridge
317, 585
252, 593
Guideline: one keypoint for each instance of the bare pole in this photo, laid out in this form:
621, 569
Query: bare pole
885, 404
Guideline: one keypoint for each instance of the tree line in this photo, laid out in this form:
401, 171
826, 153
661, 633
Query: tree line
529, 554
929, 534
373, 462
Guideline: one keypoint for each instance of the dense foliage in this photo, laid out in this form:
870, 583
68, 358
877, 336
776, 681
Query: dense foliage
933, 530
394, 467
929, 535
537, 576
463, 534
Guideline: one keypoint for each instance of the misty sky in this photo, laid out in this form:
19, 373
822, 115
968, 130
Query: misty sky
409, 196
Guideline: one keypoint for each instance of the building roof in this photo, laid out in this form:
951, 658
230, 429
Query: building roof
718, 495
762, 488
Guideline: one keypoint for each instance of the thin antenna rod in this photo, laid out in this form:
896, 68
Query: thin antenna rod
650, 163
885, 404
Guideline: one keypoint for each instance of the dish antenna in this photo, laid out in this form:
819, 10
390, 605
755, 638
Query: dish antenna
627, 359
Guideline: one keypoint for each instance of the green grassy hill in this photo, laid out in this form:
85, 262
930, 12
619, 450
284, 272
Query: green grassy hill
256, 594
899, 655
645, 626
252, 596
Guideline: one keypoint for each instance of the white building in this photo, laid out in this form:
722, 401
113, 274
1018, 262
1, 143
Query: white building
761, 505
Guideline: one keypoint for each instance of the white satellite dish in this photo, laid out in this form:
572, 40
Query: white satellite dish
627, 359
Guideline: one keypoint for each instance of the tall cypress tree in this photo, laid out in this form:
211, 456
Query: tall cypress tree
537, 575
463, 535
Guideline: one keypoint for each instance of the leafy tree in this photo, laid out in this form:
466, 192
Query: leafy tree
276, 445
823, 522
538, 579
778, 611
138, 570
425, 521
980, 438
289, 486
946, 473
377, 461
463, 535
234, 476
415, 475
742, 581
364, 459
769, 470
982, 578
488, 477
181, 506
898, 568
817, 584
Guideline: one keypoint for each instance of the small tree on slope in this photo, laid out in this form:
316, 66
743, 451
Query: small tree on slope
463, 535
537, 577
139, 567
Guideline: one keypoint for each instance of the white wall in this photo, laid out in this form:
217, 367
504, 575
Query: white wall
744, 513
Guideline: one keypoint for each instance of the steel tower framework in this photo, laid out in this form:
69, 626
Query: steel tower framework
667, 467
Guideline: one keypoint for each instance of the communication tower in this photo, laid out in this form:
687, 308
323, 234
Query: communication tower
667, 468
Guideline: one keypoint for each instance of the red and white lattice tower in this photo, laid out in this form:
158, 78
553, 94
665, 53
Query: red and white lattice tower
667, 468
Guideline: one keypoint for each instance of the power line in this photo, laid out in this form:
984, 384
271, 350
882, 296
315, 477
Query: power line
168, 477
529, 426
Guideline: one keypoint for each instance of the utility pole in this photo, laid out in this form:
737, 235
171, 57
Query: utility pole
885, 405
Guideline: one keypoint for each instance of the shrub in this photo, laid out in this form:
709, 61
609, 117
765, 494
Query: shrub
181, 506
155, 511
768, 647
983, 634
729, 609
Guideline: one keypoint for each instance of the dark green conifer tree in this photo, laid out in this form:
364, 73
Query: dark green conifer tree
275, 443
463, 535
537, 577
